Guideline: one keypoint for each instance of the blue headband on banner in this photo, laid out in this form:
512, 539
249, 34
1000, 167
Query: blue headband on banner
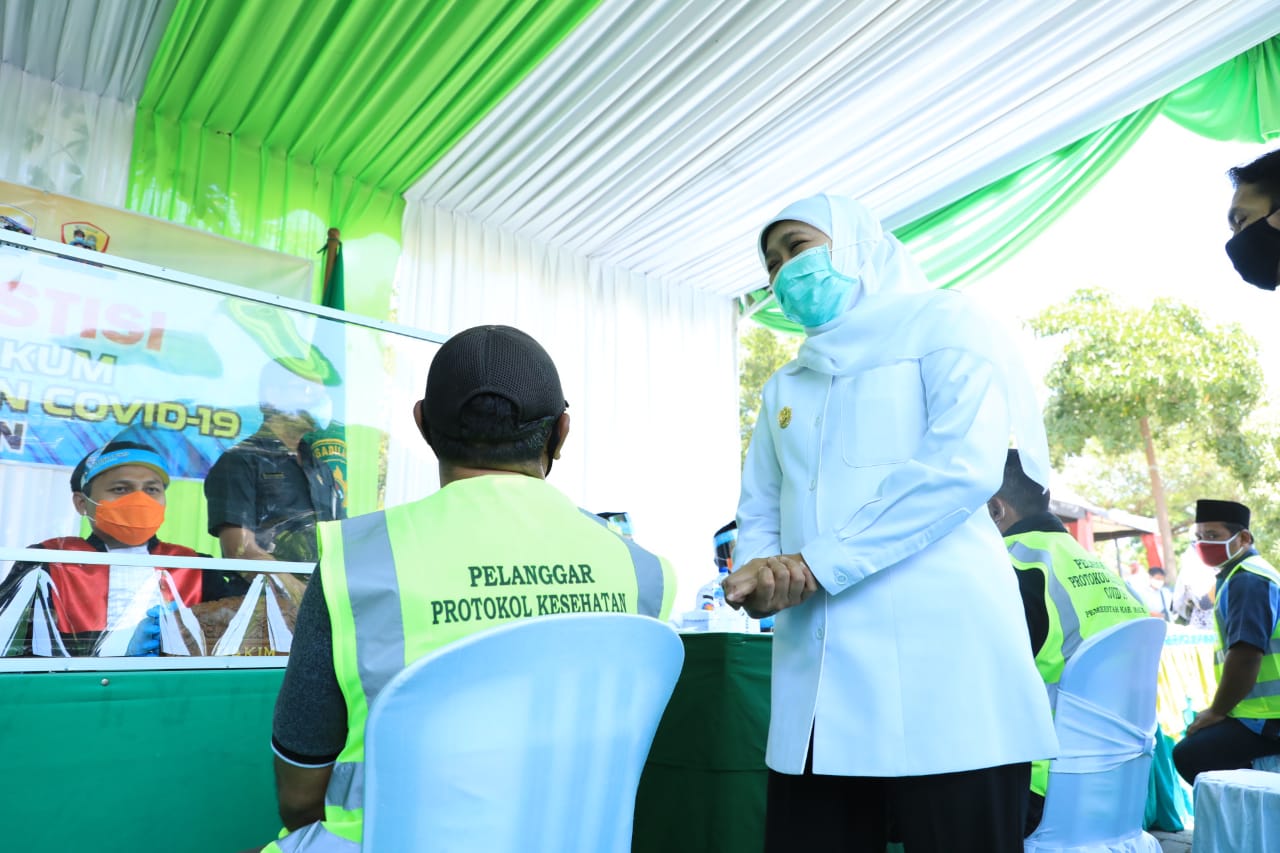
100, 462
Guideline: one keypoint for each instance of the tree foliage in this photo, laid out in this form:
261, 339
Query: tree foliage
1196, 385
1163, 362
761, 352
1191, 471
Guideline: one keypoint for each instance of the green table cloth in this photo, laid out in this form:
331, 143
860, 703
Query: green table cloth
704, 785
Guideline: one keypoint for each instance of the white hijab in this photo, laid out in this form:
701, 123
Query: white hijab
859, 246
896, 311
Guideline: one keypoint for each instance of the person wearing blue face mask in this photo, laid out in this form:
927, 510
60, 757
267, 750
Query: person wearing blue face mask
267, 493
902, 691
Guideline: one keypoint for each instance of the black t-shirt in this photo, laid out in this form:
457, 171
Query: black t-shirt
310, 723
263, 486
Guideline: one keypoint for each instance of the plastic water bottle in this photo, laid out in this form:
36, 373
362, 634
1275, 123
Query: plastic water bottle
711, 595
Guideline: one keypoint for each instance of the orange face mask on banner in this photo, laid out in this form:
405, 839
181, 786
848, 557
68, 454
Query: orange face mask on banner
132, 519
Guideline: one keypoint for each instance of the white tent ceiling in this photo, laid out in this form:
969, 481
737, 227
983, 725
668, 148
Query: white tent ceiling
104, 47
659, 135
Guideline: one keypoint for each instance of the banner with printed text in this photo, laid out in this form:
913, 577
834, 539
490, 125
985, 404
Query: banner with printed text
89, 354
92, 227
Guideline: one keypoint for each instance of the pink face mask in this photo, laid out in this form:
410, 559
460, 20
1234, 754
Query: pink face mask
1215, 552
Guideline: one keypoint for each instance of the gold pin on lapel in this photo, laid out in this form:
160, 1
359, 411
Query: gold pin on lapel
784, 417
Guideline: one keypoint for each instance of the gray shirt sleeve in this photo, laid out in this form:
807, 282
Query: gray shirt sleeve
310, 724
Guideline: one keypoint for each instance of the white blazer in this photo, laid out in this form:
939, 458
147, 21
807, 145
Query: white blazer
913, 657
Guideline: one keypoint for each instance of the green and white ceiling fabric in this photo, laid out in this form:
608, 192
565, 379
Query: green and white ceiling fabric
595, 170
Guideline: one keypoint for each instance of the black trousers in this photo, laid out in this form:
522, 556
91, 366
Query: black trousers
1035, 812
975, 811
1228, 745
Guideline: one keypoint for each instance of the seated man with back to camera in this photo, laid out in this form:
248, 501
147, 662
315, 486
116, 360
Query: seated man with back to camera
495, 543
1068, 595
120, 489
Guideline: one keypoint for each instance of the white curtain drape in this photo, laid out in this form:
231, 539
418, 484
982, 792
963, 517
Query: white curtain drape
37, 506
71, 72
648, 366
658, 136
62, 139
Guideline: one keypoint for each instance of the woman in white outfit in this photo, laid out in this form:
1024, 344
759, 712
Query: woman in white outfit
904, 690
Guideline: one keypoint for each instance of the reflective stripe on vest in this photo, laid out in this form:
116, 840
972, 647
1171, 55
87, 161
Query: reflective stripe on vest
1220, 654
649, 578
1100, 599
379, 624
346, 786
374, 636
1069, 623
1063, 614
312, 838
1263, 701
379, 642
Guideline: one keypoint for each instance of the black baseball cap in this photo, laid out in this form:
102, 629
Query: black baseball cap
498, 360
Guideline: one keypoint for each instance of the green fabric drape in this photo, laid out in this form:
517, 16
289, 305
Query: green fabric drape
968, 238
1239, 100
1003, 217
270, 121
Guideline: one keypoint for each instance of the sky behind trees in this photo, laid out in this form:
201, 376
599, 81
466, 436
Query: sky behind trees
1153, 226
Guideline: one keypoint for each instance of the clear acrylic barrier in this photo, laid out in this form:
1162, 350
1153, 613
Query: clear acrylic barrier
171, 611
270, 416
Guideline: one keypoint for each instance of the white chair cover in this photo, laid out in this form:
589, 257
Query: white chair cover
1270, 763
1237, 811
1106, 723
527, 737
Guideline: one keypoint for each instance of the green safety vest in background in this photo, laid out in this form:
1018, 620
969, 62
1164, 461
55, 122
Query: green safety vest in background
1263, 701
1082, 598
478, 553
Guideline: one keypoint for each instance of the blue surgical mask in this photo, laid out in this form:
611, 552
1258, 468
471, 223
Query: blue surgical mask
810, 291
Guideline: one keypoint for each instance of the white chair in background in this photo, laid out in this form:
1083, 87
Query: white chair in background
1106, 723
1237, 811
527, 737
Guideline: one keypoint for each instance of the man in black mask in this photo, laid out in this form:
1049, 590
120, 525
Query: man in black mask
1254, 218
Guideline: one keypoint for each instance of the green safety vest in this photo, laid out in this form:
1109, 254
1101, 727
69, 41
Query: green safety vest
1263, 701
478, 553
1081, 597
